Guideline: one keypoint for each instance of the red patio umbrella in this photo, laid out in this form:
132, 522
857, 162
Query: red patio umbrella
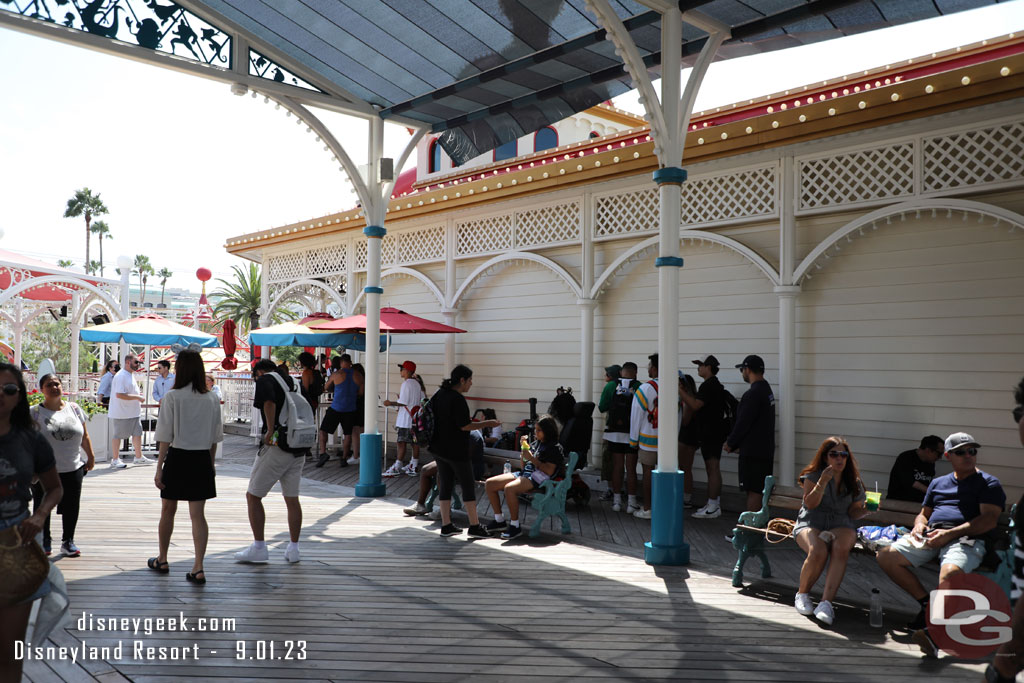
228, 342
391, 320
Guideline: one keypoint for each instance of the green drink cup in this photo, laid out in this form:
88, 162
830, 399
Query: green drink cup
874, 498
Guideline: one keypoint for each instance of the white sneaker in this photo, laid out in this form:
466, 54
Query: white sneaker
616, 506
708, 512
803, 604
291, 555
253, 554
117, 465
417, 509
631, 508
642, 514
410, 469
353, 461
823, 612
393, 471
143, 461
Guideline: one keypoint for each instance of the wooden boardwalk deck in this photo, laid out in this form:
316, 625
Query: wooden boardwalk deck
379, 596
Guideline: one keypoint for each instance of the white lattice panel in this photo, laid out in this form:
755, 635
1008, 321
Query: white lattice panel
484, 236
861, 176
388, 248
548, 225
360, 255
975, 157
418, 246
287, 267
627, 213
746, 194
326, 260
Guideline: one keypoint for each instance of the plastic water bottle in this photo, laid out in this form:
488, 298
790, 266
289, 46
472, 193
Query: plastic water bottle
875, 613
507, 468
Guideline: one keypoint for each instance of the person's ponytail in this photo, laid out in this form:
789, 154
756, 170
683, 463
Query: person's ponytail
459, 373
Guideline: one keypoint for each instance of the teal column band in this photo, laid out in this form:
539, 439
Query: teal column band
374, 231
668, 261
370, 484
672, 174
373, 290
667, 546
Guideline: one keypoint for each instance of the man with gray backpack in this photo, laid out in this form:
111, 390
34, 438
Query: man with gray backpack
289, 429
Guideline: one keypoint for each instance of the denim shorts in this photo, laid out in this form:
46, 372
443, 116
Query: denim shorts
967, 557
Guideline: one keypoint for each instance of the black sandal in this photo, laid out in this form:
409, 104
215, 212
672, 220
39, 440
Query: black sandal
156, 565
196, 578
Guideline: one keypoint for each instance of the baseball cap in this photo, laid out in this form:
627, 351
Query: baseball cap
408, 365
955, 441
707, 360
753, 362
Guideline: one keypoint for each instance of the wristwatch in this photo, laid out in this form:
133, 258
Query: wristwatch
993, 676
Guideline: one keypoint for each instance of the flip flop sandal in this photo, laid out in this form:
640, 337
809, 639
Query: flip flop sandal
156, 565
196, 578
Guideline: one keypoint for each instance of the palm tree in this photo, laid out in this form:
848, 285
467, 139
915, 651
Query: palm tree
143, 269
85, 203
101, 230
64, 263
93, 267
163, 274
240, 300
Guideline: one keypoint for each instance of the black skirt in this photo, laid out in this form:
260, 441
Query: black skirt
188, 475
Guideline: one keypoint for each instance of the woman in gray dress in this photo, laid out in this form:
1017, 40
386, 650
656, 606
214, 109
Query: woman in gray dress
833, 499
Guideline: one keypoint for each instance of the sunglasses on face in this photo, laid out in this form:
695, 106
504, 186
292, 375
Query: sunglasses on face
965, 451
10, 389
838, 454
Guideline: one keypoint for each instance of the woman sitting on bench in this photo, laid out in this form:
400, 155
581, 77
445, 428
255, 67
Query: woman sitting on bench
543, 459
833, 499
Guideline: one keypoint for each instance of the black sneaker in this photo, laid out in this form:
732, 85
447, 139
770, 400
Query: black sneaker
450, 530
322, 459
477, 531
925, 642
511, 532
918, 623
495, 525
344, 463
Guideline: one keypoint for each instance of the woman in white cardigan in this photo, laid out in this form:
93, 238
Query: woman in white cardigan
187, 431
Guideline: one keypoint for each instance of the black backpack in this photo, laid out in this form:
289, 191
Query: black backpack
729, 408
316, 389
620, 409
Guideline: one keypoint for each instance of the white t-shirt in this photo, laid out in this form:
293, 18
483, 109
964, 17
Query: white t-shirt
63, 430
189, 420
410, 395
124, 383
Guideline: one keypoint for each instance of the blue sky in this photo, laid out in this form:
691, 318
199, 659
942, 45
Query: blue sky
183, 164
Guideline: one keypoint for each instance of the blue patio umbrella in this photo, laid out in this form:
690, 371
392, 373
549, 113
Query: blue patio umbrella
297, 334
148, 330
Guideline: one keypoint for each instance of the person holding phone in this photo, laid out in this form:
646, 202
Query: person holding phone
833, 499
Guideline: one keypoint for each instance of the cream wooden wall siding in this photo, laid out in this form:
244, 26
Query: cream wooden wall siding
915, 329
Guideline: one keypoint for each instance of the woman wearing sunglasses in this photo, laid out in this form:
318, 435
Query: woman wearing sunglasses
833, 499
24, 454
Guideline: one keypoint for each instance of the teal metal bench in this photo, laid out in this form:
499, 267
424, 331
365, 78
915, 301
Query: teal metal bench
456, 499
750, 533
549, 499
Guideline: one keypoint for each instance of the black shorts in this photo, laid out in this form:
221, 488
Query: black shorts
752, 472
332, 418
711, 451
614, 447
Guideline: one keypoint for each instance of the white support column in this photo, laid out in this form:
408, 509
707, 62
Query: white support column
264, 310
76, 327
787, 292
19, 330
587, 304
449, 311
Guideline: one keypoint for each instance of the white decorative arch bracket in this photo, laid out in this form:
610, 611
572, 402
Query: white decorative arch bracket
403, 271
510, 258
886, 214
305, 282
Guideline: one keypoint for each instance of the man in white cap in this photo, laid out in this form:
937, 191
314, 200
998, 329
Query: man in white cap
410, 395
959, 509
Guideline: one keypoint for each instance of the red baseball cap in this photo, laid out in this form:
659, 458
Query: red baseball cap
408, 365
